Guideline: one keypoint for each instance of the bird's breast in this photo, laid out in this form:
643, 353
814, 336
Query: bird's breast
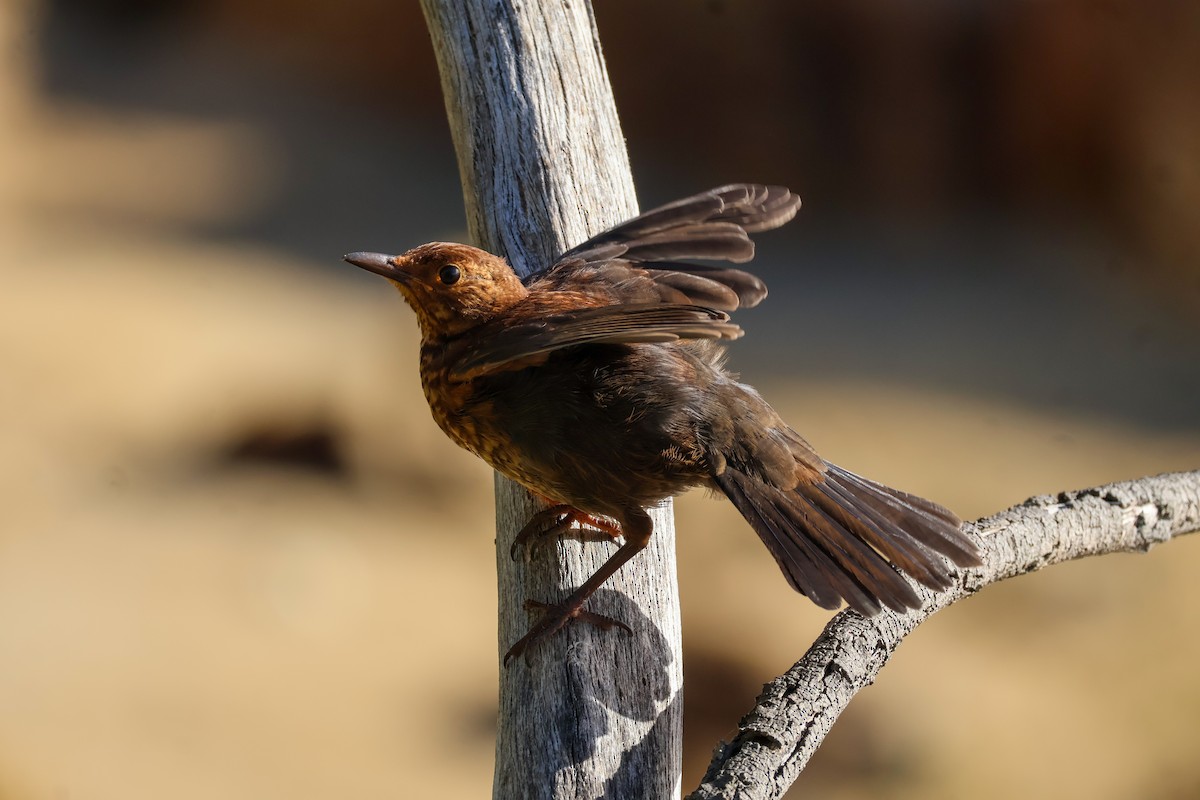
448, 402
464, 412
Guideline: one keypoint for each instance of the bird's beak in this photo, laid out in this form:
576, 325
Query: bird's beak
387, 266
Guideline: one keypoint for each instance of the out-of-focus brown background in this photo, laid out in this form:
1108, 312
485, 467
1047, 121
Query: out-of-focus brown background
238, 560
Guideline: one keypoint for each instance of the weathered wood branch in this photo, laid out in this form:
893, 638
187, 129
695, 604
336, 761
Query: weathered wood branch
543, 166
796, 710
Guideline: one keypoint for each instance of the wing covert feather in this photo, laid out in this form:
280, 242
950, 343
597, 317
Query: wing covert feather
514, 346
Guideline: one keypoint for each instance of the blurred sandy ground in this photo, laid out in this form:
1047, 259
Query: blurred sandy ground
238, 560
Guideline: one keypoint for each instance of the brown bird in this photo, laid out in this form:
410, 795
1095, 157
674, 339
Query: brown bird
598, 384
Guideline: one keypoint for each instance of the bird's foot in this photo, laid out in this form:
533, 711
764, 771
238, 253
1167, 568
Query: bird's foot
561, 521
556, 617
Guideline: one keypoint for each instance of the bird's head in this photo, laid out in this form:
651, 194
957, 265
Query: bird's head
452, 287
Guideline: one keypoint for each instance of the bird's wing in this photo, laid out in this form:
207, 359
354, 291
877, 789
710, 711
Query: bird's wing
515, 346
641, 260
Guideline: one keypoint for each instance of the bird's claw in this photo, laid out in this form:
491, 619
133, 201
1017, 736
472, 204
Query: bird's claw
554, 619
561, 521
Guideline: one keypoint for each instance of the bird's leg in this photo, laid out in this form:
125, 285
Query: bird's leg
635, 525
557, 521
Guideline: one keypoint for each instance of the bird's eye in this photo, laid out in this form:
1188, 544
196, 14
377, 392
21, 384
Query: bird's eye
449, 274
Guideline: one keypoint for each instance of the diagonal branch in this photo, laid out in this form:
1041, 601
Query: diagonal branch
796, 710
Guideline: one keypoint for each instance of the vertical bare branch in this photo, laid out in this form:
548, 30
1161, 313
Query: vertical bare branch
543, 166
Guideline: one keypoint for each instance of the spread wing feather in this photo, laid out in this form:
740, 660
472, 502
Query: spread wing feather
641, 260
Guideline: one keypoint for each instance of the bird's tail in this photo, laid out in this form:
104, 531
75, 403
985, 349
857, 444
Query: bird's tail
843, 536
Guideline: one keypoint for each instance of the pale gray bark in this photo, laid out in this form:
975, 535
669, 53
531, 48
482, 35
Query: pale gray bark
796, 710
588, 713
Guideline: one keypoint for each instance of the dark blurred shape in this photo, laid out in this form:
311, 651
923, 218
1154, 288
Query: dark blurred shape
855, 759
123, 18
861, 758
312, 448
721, 687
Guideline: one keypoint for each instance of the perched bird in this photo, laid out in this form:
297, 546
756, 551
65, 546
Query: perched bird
597, 383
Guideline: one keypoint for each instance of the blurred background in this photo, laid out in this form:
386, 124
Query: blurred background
237, 558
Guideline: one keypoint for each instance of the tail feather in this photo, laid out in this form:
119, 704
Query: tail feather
862, 521
808, 569
852, 555
932, 525
846, 537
